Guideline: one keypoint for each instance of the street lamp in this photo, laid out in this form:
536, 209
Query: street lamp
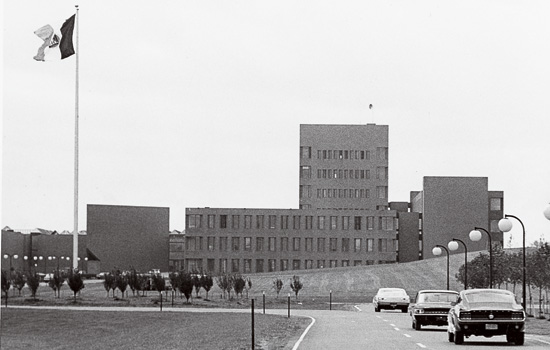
475, 235
505, 225
9, 256
453, 245
437, 251
546, 212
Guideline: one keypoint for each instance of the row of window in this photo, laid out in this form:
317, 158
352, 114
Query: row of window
297, 222
355, 174
381, 154
271, 265
381, 192
285, 244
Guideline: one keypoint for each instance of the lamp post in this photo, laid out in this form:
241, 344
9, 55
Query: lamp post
475, 235
437, 251
505, 225
10, 256
546, 212
453, 245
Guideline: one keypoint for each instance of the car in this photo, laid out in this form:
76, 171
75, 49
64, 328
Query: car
391, 298
486, 312
431, 307
101, 275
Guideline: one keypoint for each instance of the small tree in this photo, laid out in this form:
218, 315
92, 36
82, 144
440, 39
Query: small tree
185, 285
158, 283
238, 285
19, 281
207, 282
133, 281
109, 283
296, 285
75, 282
173, 276
6, 283
247, 285
56, 282
197, 284
278, 285
225, 283
121, 282
33, 281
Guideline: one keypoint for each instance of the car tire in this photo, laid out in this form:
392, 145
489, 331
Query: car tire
404, 309
417, 326
459, 338
519, 339
451, 337
376, 309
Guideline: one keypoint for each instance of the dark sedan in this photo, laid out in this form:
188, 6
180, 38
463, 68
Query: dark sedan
431, 307
486, 312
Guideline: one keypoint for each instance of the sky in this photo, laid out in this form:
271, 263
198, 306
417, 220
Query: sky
199, 103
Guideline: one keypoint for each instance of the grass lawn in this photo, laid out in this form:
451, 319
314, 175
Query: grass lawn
60, 329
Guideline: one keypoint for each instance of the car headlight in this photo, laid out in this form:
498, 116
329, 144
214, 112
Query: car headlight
517, 315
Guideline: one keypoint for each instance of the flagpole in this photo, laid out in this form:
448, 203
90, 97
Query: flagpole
75, 232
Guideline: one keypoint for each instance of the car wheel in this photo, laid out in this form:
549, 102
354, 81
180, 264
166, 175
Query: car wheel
417, 326
376, 309
404, 309
451, 337
459, 338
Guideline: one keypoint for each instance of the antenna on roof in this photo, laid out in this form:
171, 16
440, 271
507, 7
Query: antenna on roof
371, 113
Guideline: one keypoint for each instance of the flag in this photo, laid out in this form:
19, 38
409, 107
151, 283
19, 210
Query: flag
51, 39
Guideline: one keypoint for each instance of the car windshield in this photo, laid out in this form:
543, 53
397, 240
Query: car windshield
437, 297
489, 297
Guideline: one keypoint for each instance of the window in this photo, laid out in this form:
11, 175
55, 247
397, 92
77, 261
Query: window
333, 222
357, 263
284, 264
210, 221
247, 265
271, 244
191, 243
223, 221
305, 172
386, 223
194, 221
235, 243
248, 244
235, 221
296, 222
309, 244
295, 264
284, 222
272, 221
345, 244
357, 245
382, 173
259, 265
308, 264
211, 243
321, 222
223, 265
305, 152
382, 191
345, 263
382, 245
320, 244
333, 263
309, 222
333, 244
271, 265
496, 203
370, 244
259, 222
234, 265
223, 244
320, 264
357, 223
284, 244
259, 244
370, 222
248, 221
210, 264
345, 222
382, 153
494, 226
296, 244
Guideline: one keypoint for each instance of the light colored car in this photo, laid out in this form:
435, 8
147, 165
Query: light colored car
486, 312
391, 298
431, 307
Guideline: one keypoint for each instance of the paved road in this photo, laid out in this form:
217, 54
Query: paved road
365, 329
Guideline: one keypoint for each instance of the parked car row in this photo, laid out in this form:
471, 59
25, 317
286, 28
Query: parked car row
479, 312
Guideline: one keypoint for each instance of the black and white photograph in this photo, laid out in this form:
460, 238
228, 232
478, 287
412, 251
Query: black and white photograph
293, 175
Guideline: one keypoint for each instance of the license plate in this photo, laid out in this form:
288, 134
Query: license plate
491, 326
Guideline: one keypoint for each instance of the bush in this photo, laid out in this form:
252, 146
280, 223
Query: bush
75, 282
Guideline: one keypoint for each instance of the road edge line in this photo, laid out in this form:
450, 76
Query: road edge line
295, 347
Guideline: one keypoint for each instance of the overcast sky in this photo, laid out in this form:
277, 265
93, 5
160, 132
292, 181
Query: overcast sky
198, 103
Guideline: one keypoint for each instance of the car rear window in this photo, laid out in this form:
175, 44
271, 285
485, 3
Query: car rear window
489, 297
437, 297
